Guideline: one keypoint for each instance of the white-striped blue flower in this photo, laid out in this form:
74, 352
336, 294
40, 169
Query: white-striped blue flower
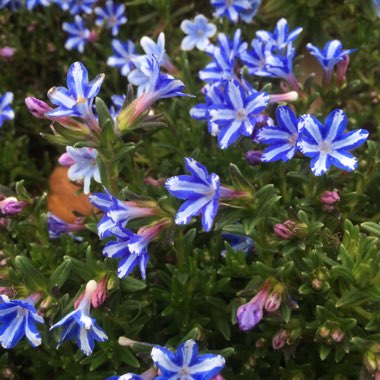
18, 318
112, 16
238, 242
237, 116
186, 363
6, 112
82, 166
80, 326
198, 33
231, 9
328, 144
156, 49
201, 192
31, 4
127, 376
57, 227
124, 52
247, 16
281, 37
76, 6
255, 58
331, 54
77, 99
282, 139
78, 34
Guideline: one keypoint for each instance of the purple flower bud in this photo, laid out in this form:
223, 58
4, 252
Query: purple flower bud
273, 302
66, 160
9, 292
37, 107
341, 69
7, 52
100, 293
253, 157
251, 313
284, 230
11, 206
329, 197
279, 339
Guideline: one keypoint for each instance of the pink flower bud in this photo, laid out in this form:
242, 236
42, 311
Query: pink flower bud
329, 197
159, 182
37, 107
341, 69
100, 293
7, 52
290, 96
253, 157
283, 231
78, 300
217, 377
9, 292
337, 335
11, 206
93, 36
273, 301
66, 160
279, 339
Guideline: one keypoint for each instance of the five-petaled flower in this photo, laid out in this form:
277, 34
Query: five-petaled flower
78, 34
77, 99
124, 52
198, 33
328, 144
237, 116
232, 9
18, 318
80, 326
186, 363
112, 16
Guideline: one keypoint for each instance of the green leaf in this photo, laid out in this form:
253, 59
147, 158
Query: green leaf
324, 352
33, 278
372, 228
133, 285
61, 274
237, 177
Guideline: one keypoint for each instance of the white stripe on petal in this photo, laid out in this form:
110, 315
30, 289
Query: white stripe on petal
159, 356
189, 209
208, 365
311, 125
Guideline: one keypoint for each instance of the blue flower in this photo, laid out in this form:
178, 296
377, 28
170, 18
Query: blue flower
112, 16
127, 376
376, 4
199, 31
238, 242
12, 5
156, 49
18, 318
186, 363
6, 112
118, 102
248, 15
281, 38
31, 4
76, 6
282, 138
279, 66
57, 227
80, 326
82, 166
237, 116
328, 144
331, 54
201, 192
77, 99
255, 58
78, 34
231, 9
124, 52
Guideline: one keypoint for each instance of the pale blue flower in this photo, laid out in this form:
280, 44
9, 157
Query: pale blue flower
77, 99
77, 6
124, 52
247, 16
282, 139
112, 16
156, 49
186, 363
18, 318
31, 4
328, 144
231, 9
237, 115
80, 326
198, 33
78, 34
201, 192
6, 112
376, 4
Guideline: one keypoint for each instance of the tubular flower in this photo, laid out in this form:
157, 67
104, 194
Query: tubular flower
186, 363
18, 318
328, 144
80, 326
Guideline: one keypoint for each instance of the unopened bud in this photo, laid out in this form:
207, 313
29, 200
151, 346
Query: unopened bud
317, 284
66, 160
290, 96
253, 157
283, 230
370, 361
329, 197
279, 339
100, 293
337, 335
341, 69
274, 299
124, 341
37, 107
11, 206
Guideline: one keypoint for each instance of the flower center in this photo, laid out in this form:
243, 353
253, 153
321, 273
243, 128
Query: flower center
292, 140
112, 20
325, 147
241, 115
184, 371
200, 32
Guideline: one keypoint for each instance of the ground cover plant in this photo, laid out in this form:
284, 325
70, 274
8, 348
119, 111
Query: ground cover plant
189, 190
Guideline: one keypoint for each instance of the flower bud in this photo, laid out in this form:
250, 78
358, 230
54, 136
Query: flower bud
329, 197
253, 157
11, 206
66, 160
273, 302
100, 293
279, 339
324, 331
317, 284
283, 231
341, 69
337, 335
290, 96
7, 52
370, 361
37, 107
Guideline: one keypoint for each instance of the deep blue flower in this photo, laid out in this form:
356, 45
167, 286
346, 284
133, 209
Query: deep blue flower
237, 116
331, 54
328, 144
231, 9
186, 363
124, 52
248, 15
82, 166
6, 112
77, 99
279, 66
78, 34
80, 326
201, 192
281, 38
198, 33
12, 5
112, 16
255, 58
238, 242
57, 227
282, 139
76, 6
18, 318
